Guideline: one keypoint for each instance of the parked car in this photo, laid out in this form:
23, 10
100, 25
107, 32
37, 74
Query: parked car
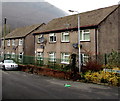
8, 65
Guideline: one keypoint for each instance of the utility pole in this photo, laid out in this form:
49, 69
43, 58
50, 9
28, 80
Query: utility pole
5, 21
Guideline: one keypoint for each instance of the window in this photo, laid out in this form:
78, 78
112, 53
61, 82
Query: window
8, 55
52, 57
85, 35
8, 42
20, 57
13, 55
65, 58
13, 42
52, 38
65, 37
20, 41
39, 56
85, 58
2, 42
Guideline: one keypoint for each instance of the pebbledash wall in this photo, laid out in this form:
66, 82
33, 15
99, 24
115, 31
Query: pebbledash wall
108, 31
59, 47
103, 36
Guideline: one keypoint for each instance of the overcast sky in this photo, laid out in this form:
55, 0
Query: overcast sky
82, 5
78, 5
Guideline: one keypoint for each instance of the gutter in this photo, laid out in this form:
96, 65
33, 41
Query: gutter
74, 28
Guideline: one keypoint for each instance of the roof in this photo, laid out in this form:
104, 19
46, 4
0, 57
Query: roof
23, 31
90, 18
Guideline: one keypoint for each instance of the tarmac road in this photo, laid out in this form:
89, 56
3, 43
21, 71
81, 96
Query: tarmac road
21, 85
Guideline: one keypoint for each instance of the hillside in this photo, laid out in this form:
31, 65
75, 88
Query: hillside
20, 14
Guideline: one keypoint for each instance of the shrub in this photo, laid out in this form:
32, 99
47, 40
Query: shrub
114, 58
88, 76
102, 77
92, 65
114, 80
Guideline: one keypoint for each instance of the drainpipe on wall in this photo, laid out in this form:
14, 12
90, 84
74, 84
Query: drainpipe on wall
96, 42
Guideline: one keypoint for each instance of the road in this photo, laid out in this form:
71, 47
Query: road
21, 85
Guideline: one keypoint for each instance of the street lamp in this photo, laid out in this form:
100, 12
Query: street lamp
79, 58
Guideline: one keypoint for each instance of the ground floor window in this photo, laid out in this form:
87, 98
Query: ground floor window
13, 55
52, 56
65, 58
8, 55
84, 58
20, 57
39, 55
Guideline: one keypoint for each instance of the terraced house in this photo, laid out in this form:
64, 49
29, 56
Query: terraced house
20, 41
98, 35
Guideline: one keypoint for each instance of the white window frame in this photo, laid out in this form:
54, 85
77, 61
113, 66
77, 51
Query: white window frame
63, 34
13, 42
39, 55
8, 42
53, 55
54, 37
20, 41
82, 35
63, 58
13, 55
2, 43
85, 58
20, 54
8, 55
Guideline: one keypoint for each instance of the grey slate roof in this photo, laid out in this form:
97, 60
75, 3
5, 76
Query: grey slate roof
23, 31
90, 18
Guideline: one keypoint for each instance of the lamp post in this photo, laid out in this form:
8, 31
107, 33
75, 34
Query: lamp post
79, 53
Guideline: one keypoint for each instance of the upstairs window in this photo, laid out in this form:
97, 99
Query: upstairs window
20, 41
8, 42
2, 43
13, 42
52, 57
85, 35
65, 37
52, 38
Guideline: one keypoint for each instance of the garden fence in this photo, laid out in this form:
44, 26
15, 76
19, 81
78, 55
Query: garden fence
110, 59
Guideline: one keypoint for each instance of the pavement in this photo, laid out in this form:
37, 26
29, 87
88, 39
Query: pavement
21, 85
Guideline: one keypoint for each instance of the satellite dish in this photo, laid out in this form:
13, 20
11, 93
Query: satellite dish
42, 40
75, 45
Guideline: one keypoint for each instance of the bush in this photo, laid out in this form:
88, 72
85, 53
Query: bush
114, 58
92, 65
102, 77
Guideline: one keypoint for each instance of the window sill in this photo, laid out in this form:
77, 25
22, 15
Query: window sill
84, 40
65, 41
52, 42
65, 62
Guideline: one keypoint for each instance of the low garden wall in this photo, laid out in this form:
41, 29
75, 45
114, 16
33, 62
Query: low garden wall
98, 77
46, 71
